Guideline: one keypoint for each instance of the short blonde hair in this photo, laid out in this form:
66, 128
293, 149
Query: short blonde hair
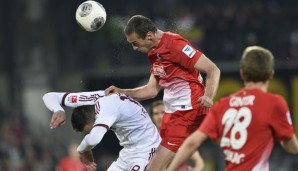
257, 64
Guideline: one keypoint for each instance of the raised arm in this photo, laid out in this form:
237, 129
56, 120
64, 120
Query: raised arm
212, 80
54, 102
148, 91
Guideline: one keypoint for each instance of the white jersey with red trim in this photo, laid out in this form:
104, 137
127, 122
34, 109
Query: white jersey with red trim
118, 112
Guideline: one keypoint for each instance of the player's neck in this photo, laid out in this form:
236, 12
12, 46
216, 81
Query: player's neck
257, 85
158, 36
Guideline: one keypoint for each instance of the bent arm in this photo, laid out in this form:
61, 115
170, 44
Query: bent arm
213, 75
53, 101
148, 91
188, 147
290, 145
92, 139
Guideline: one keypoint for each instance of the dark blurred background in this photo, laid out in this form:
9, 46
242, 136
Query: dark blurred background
43, 49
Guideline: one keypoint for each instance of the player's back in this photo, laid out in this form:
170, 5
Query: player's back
132, 124
249, 121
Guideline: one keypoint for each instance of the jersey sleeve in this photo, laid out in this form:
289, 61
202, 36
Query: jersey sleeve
83, 98
281, 120
209, 125
108, 112
184, 54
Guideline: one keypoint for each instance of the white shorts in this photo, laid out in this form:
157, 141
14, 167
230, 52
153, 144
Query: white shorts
128, 161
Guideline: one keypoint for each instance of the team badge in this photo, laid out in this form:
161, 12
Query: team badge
189, 51
158, 70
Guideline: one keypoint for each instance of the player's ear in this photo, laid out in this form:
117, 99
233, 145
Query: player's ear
271, 75
149, 35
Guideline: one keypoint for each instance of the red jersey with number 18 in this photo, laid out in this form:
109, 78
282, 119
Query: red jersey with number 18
247, 123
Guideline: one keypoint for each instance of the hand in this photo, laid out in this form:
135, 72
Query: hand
88, 160
58, 119
113, 89
205, 101
190, 168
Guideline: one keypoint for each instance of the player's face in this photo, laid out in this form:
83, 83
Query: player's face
157, 114
139, 44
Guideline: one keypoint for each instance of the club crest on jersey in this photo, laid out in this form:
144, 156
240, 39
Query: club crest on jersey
73, 99
158, 70
189, 51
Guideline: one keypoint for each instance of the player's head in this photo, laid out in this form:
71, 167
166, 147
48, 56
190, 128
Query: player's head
139, 32
82, 118
157, 112
257, 64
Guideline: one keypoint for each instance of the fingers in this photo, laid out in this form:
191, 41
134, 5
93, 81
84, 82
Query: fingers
91, 166
205, 101
110, 90
58, 119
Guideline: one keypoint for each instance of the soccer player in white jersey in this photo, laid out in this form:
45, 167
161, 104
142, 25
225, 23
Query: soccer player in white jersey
95, 113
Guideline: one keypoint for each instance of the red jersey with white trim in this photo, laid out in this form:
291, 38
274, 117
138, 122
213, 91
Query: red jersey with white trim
172, 64
247, 123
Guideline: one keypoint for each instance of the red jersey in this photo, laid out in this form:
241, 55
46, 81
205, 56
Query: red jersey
247, 123
67, 164
172, 64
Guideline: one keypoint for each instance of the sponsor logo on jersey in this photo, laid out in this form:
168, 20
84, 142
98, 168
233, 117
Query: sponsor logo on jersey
189, 51
158, 70
73, 99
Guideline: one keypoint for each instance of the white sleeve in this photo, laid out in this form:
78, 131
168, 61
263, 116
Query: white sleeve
53, 101
92, 139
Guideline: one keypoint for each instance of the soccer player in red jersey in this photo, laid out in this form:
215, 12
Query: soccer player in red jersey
248, 121
176, 66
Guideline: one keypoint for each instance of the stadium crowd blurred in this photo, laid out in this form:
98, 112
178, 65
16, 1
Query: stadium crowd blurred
219, 28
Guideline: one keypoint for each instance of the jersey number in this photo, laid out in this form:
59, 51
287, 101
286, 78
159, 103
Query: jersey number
237, 122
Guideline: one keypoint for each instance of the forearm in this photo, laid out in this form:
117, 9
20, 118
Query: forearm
92, 139
141, 93
212, 82
53, 101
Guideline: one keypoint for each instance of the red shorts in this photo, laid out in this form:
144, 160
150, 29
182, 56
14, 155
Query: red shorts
177, 126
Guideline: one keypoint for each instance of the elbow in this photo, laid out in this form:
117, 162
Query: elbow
45, 96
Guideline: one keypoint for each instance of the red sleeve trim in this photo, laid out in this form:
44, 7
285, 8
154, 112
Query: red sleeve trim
103, 125
63, 99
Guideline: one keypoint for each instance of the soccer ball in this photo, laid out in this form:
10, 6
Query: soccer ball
91, 15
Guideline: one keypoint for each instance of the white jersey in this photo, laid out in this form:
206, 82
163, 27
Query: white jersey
120, 113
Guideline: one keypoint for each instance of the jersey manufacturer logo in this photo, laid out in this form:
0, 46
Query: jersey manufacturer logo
159, 57
189, 51
171, 144
158, 70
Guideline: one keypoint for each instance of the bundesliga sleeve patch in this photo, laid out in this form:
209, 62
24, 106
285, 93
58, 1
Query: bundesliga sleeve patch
189, 51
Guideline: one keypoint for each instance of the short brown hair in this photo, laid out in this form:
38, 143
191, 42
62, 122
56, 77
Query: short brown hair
140, 25
257, 64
